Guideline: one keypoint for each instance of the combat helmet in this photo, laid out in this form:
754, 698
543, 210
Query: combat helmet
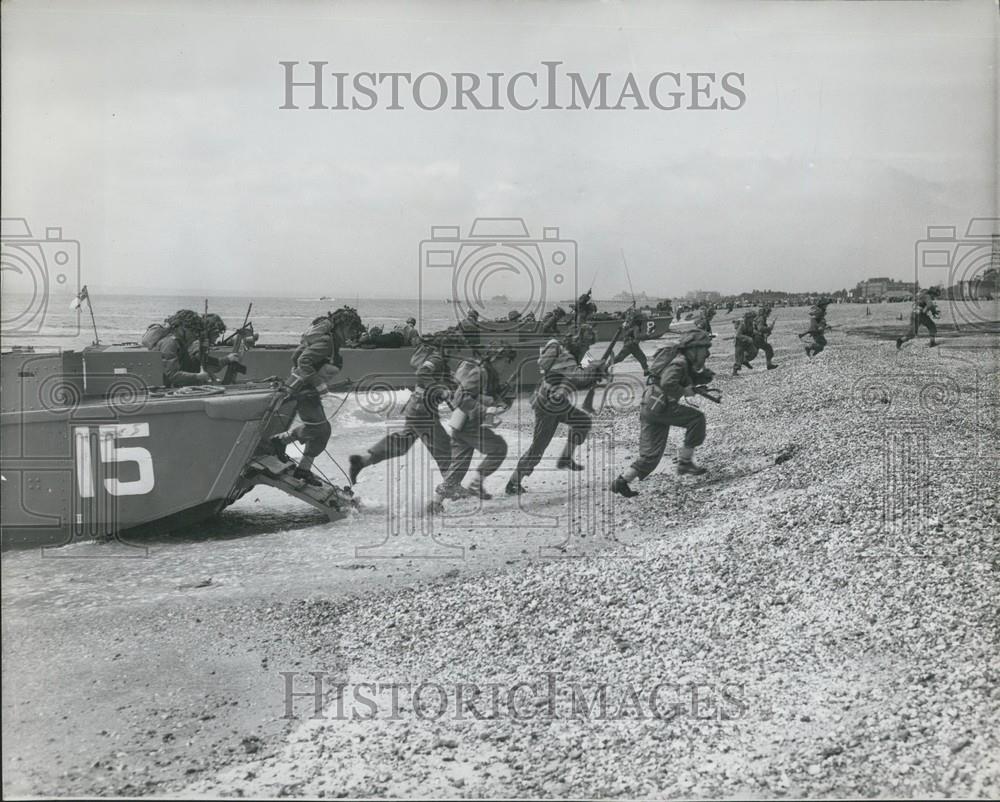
186, 319
696, 338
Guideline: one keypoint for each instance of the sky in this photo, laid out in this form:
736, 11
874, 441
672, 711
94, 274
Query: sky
151, 133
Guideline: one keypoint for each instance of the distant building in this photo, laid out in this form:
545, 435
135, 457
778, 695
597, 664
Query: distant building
704, 296
878, 289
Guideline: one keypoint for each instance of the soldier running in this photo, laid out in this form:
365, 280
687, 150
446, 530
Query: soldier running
761, 331
630, 341
552, 402
661, 409
745, 350
703, 320
817, 327
315, 362
924, 310
433, 386
476, 401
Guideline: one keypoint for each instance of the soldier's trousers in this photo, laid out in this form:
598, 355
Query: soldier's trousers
746, 350
655, 426
918, 319
418, 425
546, 423
467, 441
817, 342
632, 349
313, 429
764, 346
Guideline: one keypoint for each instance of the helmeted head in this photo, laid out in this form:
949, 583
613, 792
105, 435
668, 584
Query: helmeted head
411, 321
709, 312
348, 322
513, 314
187, 323
823, 303
215, 327
696, 345
558, 313
934, 292
473, 315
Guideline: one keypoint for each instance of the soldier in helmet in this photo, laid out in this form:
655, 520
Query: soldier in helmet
703, 320
630, 340
476, 402
924, 310
817, 327
315, 362
661, 409
761, 331
178, 343
551, 321
743, 343
552, 403
433, 386
409, 332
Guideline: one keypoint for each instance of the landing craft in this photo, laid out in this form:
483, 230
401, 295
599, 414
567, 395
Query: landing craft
93, 448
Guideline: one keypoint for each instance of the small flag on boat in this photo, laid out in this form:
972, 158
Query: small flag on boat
81, 296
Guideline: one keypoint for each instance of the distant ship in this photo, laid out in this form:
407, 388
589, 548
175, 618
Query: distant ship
500, 299
326, 298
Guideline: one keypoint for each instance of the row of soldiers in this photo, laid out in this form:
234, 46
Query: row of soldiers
454, 413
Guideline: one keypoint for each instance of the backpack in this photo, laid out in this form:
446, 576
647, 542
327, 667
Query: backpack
153, 335
663, 357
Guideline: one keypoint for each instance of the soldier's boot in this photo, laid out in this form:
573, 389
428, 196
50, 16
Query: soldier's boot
476, 488
899, 343
620, 486
747, 365
357, 464
514, 487
736, 370
685, 463
278, 447
435, 505
932, 343
809, 351
565, 463
453, 492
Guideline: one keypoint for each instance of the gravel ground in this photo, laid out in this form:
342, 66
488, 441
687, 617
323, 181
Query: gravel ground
818, 616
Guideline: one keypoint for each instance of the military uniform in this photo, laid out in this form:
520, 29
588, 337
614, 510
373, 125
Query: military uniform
745, 350
661, 409
703, 320
469, 327
761, 331
817, 327
180, 367
421, 422
630, 342
409, 333
552, 403
472, 398
922, 315
315, 360
550, 322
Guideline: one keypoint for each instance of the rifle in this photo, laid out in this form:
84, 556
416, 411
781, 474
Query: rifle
713, 394
588, 401
239, 340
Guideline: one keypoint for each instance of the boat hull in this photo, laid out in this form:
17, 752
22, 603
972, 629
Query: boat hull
84, 468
